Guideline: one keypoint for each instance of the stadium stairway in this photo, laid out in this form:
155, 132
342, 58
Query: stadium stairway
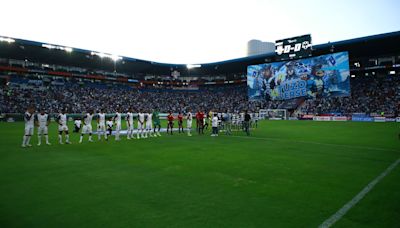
292, 105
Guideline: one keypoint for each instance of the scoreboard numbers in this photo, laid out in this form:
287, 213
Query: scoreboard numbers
293, 48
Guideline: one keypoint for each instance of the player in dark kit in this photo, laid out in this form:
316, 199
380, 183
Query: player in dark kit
247, 119
170, 119
110, 124
197, 121
156, 122
180, 122
200, 122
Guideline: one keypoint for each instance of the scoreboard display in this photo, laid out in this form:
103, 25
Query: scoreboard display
293, 48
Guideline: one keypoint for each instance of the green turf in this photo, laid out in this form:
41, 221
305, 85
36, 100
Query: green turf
287, 174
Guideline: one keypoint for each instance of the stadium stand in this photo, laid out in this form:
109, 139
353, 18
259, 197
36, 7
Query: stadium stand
78, 98
78, 81
369, 95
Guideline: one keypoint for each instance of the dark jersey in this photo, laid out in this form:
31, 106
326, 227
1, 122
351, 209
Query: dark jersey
200, 116
247, 117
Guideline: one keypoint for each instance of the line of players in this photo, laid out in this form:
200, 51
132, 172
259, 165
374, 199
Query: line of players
148, 124
145, 124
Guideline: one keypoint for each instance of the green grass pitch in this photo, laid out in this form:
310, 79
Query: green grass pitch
286, 174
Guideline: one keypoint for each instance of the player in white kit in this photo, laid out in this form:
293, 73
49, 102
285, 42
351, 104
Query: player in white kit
129, 124
189, 119
149, 124
62, 127
43, 123
87, 126
110, 125
140, 127
117, 121
29, 118
101, 125
77, 125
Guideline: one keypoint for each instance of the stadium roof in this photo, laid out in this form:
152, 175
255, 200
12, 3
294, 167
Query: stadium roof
376, 45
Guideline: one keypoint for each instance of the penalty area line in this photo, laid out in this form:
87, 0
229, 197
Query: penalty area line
342, 211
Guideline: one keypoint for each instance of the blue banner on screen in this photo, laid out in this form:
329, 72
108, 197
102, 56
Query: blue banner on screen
316, 77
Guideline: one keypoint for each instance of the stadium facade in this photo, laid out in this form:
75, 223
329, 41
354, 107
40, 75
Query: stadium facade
373, 57
379, 53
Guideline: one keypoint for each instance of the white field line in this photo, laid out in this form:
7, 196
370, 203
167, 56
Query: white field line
315, 143
342, 211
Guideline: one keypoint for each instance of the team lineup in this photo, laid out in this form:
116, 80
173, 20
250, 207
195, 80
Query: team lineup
148, 124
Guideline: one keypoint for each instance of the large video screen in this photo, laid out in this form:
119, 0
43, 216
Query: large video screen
315, 77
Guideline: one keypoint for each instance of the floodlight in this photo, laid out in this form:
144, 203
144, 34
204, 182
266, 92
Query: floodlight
6, 39
191, 66
49, 46
116, 57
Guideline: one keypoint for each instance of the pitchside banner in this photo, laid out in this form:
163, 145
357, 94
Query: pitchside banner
321, 76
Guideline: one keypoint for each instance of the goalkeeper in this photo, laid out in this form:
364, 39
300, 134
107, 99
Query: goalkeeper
156, 123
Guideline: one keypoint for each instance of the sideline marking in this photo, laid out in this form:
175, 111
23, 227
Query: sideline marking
342, 211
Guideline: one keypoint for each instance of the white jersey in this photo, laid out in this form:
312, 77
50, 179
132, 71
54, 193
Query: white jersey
235, 118
110, 124
62, 119
256, 117
117, 118
129, 117
29, 119
87, 120
141, 117
78, 123
214, 121
149, 118
102, 119
42, 119
189, 116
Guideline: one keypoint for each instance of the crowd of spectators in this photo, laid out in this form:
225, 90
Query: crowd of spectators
78, 99
368, 95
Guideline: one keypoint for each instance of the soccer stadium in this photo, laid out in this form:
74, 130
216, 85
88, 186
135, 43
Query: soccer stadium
305, 134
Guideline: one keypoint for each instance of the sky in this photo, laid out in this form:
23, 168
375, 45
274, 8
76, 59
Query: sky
191, 31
